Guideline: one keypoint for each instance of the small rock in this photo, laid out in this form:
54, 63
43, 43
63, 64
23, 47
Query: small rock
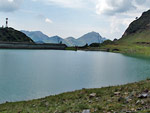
143, 95
128, 99
86, 111
92, 95
139, 109
47, 103
133, 109
137, 102
142, 102
126, 93
117, 93
120, 99
146, 91
90, 101
34, 105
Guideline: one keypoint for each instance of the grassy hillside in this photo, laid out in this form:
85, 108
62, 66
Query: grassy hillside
137, 43
133, 97
12, 35
136, 39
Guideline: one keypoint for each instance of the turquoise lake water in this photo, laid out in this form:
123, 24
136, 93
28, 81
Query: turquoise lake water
31, 74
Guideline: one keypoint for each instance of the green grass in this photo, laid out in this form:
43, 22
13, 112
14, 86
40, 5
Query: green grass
71, 48
106, 100
129, 44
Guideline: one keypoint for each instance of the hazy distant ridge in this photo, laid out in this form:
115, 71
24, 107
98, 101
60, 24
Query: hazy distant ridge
89, 38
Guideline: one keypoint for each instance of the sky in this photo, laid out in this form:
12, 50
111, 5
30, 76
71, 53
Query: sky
74, 18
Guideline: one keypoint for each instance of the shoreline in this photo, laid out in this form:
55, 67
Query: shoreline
133, 97
18, 45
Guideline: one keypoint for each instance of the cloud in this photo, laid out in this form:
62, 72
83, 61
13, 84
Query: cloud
9, 5
107, 7
112, 7
68, 3
47, 20
44, 18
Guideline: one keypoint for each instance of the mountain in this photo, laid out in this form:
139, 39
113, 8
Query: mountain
71, 41
37, 36
92, 37
136, 38
55, 39
140, 24
138, 30
88, 38
12, 35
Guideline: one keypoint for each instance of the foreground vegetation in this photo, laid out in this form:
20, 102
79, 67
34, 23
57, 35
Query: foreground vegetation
133, 97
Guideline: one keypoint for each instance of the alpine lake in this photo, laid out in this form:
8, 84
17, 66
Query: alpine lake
32, 74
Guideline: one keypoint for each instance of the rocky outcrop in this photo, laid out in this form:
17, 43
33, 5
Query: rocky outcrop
139, 25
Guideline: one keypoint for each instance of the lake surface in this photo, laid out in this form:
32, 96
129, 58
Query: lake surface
30, 74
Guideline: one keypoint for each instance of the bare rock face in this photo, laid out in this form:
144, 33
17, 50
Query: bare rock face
139, 25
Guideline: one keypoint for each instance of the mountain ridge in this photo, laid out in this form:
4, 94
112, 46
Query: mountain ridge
89, 38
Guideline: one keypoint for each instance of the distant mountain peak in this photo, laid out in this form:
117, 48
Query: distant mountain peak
93, 33
56, 36
70, 38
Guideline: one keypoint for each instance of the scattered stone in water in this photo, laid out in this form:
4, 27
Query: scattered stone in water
86, 111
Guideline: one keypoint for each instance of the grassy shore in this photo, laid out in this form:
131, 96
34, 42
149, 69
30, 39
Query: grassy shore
134, 97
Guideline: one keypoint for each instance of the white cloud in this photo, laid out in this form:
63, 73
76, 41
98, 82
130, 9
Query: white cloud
69, 3
48, 20
112, 7
9, 5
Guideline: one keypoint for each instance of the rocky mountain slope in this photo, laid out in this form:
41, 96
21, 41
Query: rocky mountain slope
140, 24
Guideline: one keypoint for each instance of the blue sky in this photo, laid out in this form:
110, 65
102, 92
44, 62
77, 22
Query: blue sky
72, 17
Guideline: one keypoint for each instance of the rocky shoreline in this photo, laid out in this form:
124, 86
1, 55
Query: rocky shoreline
129, 98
